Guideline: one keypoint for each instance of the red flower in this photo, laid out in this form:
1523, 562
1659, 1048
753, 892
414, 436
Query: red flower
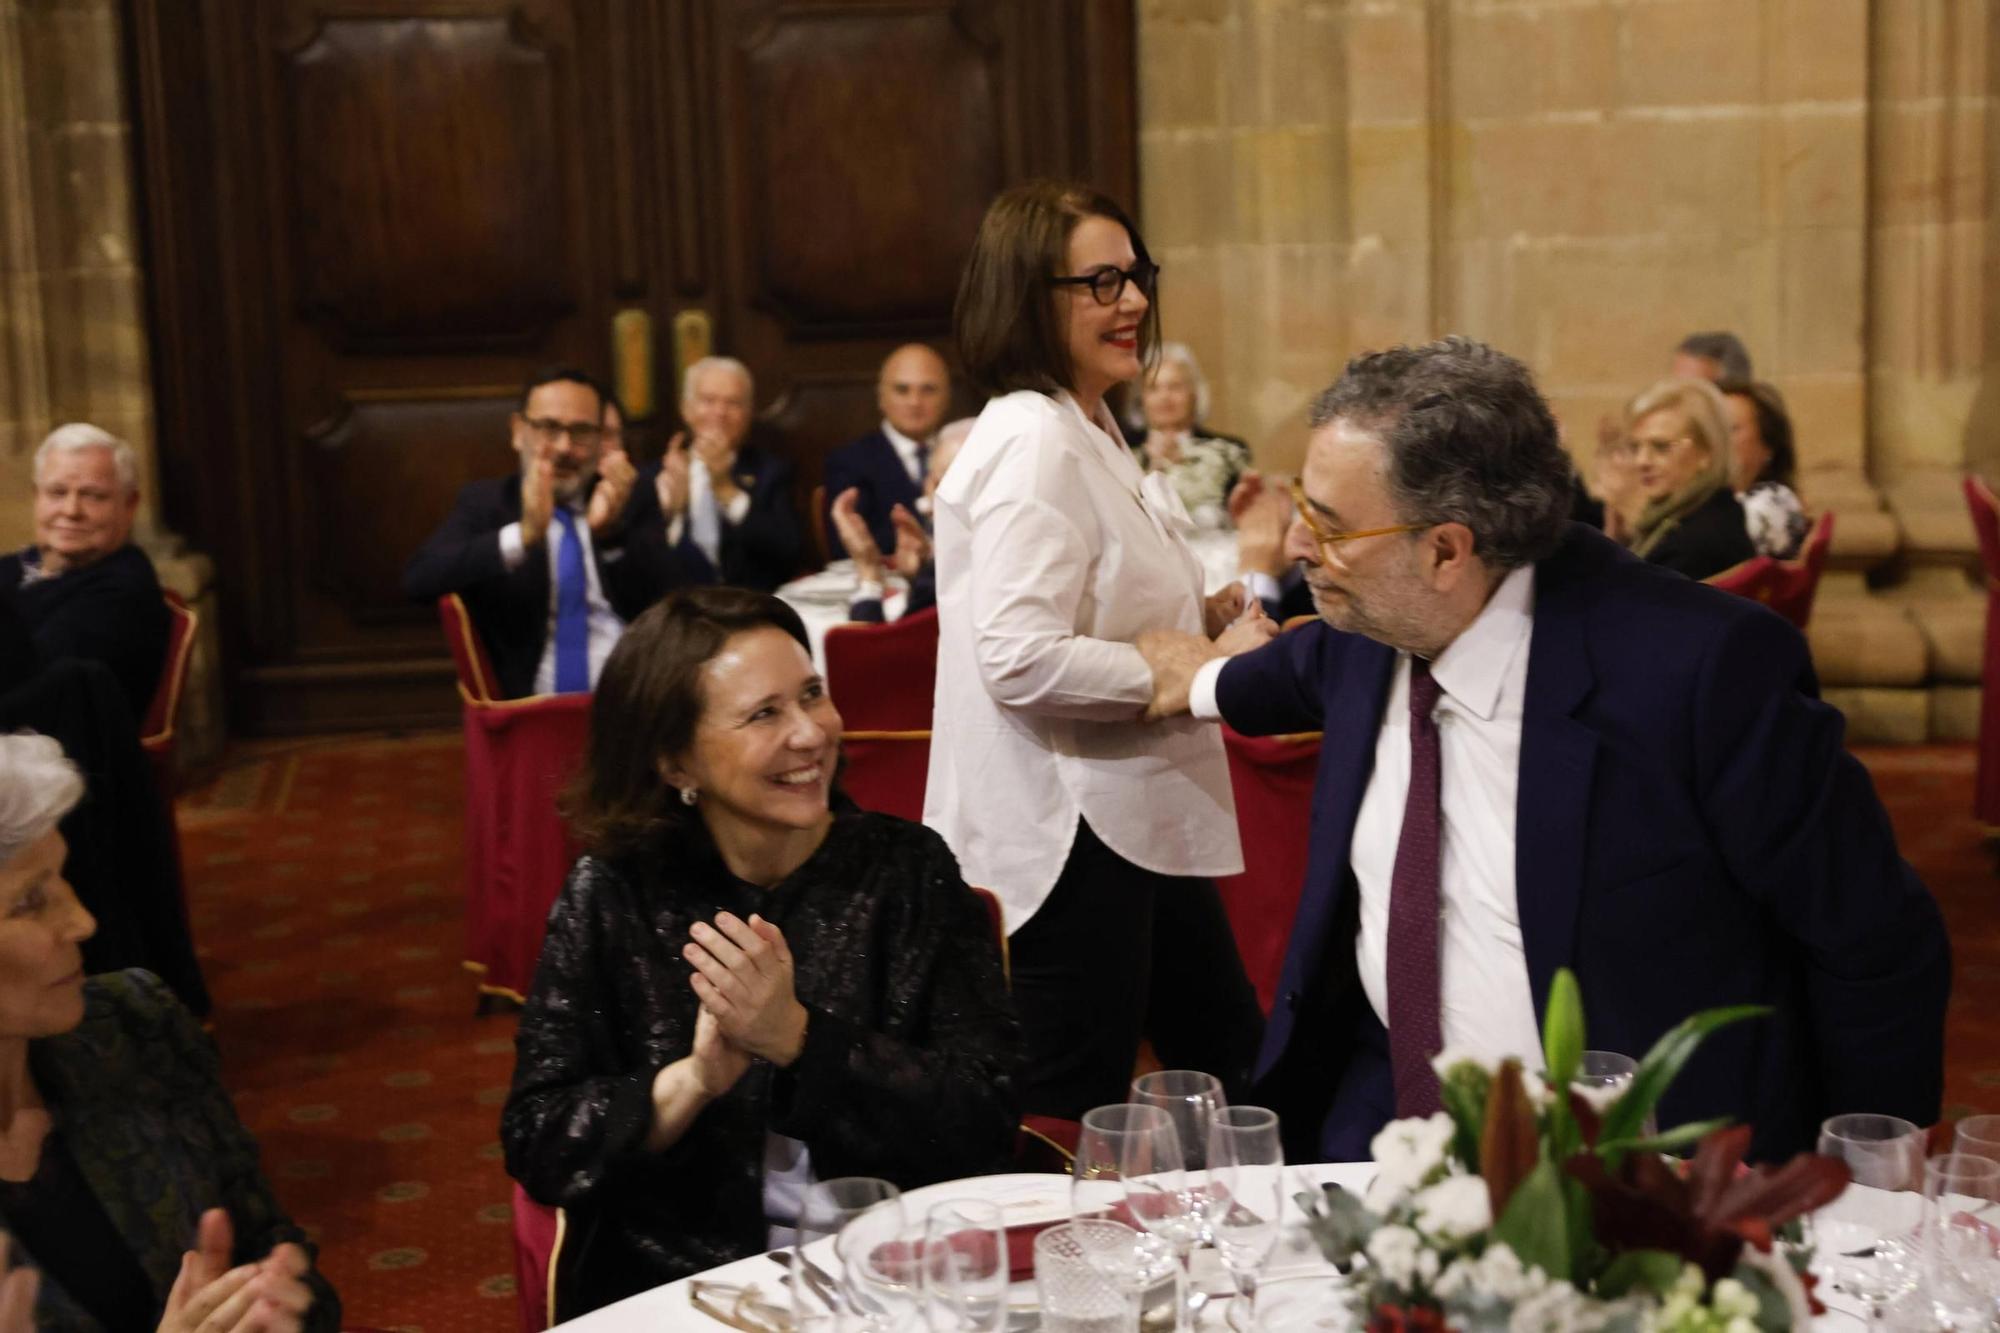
1406, 1319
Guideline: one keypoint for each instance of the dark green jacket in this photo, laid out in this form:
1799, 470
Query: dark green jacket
136, 1091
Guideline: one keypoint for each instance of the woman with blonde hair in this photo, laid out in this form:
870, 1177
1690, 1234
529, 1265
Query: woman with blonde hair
1692, 520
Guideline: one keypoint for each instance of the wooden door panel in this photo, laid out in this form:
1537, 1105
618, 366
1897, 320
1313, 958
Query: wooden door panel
423, 160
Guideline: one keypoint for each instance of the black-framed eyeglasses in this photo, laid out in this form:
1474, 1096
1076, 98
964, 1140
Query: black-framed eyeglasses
1107, 284
584, 434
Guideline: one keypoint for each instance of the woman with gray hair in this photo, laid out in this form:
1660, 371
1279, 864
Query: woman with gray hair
126, 1178
1202, 465
1692, 521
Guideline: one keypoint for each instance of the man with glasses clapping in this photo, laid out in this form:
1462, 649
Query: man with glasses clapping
554, 560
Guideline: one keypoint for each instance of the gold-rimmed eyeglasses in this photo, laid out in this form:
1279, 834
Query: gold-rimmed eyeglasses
1330, 538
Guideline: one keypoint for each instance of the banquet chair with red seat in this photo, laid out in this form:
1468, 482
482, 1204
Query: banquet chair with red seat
157, 736
883, 679
1272, 778
1986, 523
1796, 582
519, 753
538, 1236
1755, 578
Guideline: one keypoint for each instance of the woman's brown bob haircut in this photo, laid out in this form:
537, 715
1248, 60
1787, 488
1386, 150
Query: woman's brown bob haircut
647, 704
1009, 333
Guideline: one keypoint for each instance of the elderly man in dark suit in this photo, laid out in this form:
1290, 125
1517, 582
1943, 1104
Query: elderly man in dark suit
886, 467
1541, 753
554, 560
728, 504
83, 589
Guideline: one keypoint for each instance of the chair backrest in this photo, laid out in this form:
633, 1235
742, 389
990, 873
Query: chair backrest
1786, 586
478, 683
1986, 522
884, 677
1272, 778
156, 733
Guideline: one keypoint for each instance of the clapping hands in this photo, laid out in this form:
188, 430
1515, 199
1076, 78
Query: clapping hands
743, 978
209, 1296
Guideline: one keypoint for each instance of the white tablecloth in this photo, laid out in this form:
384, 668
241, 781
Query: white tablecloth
1024, 1199
821, 599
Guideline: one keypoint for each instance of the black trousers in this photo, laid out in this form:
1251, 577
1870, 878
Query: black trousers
1117, 954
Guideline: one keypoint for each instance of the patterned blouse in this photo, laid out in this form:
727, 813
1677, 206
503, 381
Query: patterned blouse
907, 1073
1206, 473
1775, 518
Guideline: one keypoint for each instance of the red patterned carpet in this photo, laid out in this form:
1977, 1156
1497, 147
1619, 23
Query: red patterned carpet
324, 880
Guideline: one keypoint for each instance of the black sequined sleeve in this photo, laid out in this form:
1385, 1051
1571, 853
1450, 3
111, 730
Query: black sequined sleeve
573, 1113
938, 1101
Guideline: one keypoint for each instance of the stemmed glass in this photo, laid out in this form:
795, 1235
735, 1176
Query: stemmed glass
1246, 1195
1861, 1242
1978, 1135
1116, 1140
1190, 1098
827, 1207
965, 1267
1964, 1276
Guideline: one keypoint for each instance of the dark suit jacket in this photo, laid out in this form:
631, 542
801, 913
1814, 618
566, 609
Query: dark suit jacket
763, 550
872, 466
137, 1093
110, 612
1690, 832
923, 597
1706, 541
511, 608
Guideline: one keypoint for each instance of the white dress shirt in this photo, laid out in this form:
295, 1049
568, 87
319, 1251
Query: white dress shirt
605, 623
701, 491
1487, 1004
1053, 553
906, 449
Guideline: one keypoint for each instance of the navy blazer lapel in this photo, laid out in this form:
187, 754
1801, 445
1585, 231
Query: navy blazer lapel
1552, 802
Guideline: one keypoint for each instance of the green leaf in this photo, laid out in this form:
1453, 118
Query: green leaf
1773, 1314
1680, 1136
1662, 1066
1562, 1029
1338, 1222
1536, 1224
1640, 1270
1463, 1093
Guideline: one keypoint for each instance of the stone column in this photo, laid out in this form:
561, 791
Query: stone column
72, 328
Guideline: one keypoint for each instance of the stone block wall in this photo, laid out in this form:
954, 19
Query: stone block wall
1582, 182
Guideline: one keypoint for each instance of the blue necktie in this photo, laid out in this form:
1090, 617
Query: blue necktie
572, 611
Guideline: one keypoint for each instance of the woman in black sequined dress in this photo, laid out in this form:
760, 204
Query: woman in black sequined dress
741, 989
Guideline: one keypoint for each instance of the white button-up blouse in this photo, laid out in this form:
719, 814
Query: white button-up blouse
1054, 551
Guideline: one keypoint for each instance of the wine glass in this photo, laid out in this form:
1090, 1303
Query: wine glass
882, 1271
1136, 1259
1959, 1263
1245, 1198
965, 1267
825, 1209
1190, 1098
1861, 1241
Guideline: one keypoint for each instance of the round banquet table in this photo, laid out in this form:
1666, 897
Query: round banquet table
821, 599
1026, 1200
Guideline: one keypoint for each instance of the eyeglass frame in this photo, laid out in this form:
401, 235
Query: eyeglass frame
1145, 273
1327, 539
581, 433
1661, 448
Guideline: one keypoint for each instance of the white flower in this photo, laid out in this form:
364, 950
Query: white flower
1451, 1057
1407, 1153
1499, 1273
1456, 1208
1393, 1250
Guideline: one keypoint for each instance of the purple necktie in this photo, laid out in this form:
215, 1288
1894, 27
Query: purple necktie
1415, 1033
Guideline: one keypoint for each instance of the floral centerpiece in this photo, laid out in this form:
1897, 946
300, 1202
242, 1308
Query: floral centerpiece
1529, 1205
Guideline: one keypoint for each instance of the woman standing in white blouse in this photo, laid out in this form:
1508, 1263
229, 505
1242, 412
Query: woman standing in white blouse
1099, 832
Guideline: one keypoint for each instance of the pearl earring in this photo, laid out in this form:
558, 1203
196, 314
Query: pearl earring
689, 795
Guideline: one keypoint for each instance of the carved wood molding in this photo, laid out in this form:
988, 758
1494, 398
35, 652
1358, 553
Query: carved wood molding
24, 370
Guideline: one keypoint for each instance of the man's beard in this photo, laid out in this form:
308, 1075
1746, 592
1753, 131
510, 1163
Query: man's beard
1392, 612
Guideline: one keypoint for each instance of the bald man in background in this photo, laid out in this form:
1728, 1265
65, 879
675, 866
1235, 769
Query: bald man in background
886, 466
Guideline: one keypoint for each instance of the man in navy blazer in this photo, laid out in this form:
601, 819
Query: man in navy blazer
727, 504
493, 549
886, 466
1632, 776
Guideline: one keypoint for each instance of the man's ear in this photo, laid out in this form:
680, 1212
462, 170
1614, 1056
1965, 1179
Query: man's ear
1451, 549
517, 431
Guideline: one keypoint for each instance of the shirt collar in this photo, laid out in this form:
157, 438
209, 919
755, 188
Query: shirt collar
1473, 667
902, 443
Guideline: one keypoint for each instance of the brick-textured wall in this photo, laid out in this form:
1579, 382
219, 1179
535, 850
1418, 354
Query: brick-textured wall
1580, 182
